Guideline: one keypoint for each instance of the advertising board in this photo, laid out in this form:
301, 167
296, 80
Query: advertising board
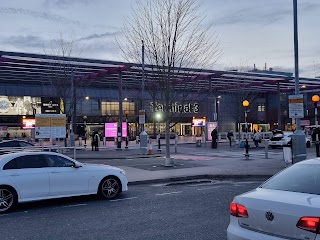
110, 129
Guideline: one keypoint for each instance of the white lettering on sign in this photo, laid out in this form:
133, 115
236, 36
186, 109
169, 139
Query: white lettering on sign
296, 108
176, 107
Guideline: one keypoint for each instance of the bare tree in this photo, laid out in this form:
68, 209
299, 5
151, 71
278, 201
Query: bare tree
64, 75
175, 38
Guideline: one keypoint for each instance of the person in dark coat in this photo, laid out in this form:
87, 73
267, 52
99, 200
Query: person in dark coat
93, 144
230, 136
214, 136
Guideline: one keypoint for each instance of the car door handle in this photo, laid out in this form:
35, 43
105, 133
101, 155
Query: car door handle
14, 175
54, 172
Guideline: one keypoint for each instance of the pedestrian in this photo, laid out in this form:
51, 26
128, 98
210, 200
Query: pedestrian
214, 136
96, 141
230, 137
7, 136
257, 138
92, 141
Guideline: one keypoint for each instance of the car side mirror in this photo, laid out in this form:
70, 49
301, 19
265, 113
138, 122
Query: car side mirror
77, 165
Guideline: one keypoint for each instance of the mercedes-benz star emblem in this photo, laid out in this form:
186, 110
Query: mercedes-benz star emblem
269, 216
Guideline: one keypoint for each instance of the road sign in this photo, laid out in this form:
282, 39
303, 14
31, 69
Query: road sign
296, 106
142, 116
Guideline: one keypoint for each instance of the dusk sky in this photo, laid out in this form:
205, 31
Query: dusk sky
250, 31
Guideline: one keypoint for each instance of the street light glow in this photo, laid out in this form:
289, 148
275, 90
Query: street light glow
87, 97
158, 116
245, 103
315, 98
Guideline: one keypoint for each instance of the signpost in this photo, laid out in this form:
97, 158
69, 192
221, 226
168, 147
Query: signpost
50, 126
296, 106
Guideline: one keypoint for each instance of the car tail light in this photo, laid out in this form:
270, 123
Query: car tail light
238, 210
309, 224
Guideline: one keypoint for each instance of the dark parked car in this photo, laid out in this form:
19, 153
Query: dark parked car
15, 144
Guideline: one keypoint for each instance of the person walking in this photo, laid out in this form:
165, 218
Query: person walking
257, 138
214, 136
230, 137
96, 141
92, 141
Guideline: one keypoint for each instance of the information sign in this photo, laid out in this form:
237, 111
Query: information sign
50, 126
142, 116
296, 106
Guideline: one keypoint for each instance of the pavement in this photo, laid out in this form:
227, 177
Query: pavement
190, 161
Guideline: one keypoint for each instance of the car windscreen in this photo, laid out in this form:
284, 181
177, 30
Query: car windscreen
304, 178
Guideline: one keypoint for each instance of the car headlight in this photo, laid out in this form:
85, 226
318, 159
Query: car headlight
122, 172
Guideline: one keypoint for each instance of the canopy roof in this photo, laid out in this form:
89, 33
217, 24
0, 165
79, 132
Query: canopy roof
36, 69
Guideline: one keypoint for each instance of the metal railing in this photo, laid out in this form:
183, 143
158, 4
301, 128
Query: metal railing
53, 148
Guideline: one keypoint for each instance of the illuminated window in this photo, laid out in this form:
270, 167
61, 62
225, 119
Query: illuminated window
261, 107
112, 108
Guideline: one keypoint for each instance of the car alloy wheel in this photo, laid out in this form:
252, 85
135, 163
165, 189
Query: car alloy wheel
110, 188
7, 199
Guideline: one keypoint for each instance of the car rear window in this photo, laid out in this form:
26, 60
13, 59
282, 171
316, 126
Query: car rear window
304, 178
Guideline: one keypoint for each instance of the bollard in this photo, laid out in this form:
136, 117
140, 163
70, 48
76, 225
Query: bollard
104, 140
185, 138
127, 143
266, 145
80, 141
176, 144
159, 143
194, 138
246, 147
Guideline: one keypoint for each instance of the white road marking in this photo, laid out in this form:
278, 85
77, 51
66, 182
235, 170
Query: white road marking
200, 189
122, 199
76, 205
168, 193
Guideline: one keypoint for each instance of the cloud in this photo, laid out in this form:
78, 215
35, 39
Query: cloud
28, 41
35, 14
263, 15
65, 3
95, 36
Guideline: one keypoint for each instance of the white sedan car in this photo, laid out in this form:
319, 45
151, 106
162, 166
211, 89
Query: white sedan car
32, 176
280, 140
287, 206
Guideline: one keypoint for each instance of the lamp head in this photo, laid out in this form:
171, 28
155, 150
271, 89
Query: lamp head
315, 98
245, 103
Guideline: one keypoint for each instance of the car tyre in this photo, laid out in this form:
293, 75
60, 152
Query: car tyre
109, 187
8, 199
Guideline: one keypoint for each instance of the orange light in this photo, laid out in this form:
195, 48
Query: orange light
245, 103
315, 98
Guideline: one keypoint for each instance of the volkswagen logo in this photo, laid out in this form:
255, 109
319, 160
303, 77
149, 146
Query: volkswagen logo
269, 216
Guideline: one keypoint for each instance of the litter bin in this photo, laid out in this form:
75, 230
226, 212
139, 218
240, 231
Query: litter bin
198, 143
287, 154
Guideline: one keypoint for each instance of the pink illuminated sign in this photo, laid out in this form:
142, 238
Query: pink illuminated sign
110, 129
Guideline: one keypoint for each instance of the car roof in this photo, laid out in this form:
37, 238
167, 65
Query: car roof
310, 161
14, 140
7, 156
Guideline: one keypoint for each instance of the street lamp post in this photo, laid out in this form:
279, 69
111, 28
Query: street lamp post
158, 117
85, 131
315, 100
245, 103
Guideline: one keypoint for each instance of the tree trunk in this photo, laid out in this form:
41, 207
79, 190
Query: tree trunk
168, 161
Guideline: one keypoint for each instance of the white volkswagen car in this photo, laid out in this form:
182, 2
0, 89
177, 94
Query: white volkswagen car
287, 206
283, 139
32, 176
